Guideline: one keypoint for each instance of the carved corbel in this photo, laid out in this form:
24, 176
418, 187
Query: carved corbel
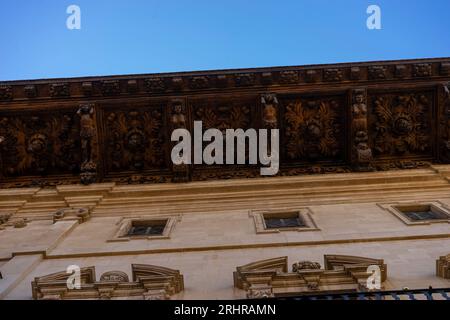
361, 151
88, 135
178, 120
79, 214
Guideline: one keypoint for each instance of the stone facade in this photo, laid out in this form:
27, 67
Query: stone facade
86, 182
215, 232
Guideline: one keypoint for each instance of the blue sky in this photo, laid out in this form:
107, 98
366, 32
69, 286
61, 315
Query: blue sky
146, 36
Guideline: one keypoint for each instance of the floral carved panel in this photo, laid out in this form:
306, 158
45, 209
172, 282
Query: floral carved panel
222, 114
134, 138
400, 124
40, 143
313, 128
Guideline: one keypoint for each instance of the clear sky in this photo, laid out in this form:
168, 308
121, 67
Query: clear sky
146, 36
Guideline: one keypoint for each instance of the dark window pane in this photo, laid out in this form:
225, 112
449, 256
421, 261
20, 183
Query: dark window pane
275, 223
138, 231
155, 230
424, 215
143, 230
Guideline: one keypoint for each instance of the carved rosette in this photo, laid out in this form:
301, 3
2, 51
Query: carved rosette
178, 120
88, 136
361, 151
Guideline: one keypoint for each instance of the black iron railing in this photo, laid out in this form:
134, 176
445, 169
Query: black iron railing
407, 294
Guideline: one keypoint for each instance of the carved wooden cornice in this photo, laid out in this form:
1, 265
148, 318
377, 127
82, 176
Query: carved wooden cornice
149, 283
332, 118
270, 278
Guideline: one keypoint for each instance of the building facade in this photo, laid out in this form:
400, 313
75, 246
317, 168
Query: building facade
88, 190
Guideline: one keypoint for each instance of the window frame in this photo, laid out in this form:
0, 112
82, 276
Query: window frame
125, 224
400, 210
303, 214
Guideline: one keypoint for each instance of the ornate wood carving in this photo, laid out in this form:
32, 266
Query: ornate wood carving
270, 110
5, 93
361, 151
40, 144
88, 137
179, 120
444, 123
46, 138
313, 128
149, 283
267, 278
401, 124
134, 139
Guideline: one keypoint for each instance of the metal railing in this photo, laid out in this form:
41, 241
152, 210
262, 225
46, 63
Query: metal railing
406, 294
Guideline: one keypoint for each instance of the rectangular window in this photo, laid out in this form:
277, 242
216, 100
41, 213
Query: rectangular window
147, 228
144, 227
422, 213
283, 222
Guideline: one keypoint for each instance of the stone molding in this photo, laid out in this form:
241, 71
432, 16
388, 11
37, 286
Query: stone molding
148, 283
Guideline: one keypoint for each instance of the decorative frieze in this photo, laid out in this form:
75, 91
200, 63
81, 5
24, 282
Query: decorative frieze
5, 92
422, 70
59, 90
319, 110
